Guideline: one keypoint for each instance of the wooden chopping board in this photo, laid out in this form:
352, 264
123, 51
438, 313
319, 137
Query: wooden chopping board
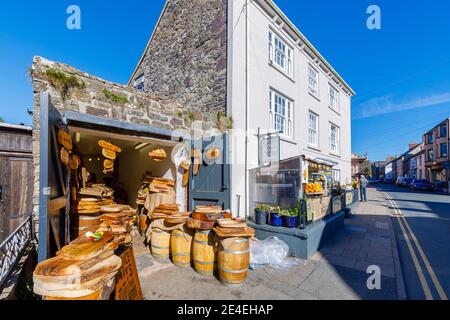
200, 225
87, 279
83, 248
58, 266
211, 217
65, 293
228, 233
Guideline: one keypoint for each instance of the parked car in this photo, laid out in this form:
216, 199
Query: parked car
381, 180
405, 182
399, 180
421, 184
372, 181
387, 180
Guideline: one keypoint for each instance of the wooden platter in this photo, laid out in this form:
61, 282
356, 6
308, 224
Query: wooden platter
100, 283
232, 224
114, 208
176, 220
86, 279
229, 233
211, 217
83, 248
200, 225
58, 266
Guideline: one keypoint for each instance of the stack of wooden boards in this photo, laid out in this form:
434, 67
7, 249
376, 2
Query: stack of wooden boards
82, 269
170, 213
97, 190
160, 185
118, 219
227, 228
85, 214
155, 191
205, 217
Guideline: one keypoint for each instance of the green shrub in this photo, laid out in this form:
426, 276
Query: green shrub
115, 97
63, 83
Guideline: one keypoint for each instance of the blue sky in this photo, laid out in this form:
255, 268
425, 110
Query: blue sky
400, 73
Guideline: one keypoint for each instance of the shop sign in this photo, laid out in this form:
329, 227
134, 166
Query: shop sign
305, 172
269, 148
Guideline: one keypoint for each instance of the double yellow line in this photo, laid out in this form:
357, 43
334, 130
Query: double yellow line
403, 223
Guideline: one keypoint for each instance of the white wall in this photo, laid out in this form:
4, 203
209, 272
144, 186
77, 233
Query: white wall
262, 77
134, 164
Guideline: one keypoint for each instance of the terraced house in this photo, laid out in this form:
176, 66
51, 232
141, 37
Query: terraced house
436, 143
248, 60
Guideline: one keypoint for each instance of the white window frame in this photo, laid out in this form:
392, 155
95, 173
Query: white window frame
441, 156
138, 82
430, 151
336, 105
336, 175
281, 54
337, 148
312, 131
314, 90
281, 111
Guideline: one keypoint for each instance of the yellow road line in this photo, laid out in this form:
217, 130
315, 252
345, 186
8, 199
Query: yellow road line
433, 276
422, 279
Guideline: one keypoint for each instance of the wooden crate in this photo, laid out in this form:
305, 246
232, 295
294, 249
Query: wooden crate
349, 197
337, 204
318, 208
128, 286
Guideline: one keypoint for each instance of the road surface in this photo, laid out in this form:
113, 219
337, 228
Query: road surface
422, 228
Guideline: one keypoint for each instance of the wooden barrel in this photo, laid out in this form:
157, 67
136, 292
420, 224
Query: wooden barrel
180, 248
234, 260
160, 243
204, 252
82, 222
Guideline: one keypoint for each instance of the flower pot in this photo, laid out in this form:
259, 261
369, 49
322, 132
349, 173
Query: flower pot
261, 217
290, 222
275, 219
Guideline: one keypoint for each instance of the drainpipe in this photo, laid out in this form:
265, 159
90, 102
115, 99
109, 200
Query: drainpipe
246, 108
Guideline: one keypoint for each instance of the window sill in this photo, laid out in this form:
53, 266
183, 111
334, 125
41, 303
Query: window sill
314, 148
337, 155
337, 112
314, 95
284, 73
287, 139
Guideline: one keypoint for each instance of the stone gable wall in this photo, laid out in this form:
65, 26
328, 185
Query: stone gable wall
187, 57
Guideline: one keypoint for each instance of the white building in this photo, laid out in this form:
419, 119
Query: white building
246, 58
280, 82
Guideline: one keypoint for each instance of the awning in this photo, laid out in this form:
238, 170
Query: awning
328, 163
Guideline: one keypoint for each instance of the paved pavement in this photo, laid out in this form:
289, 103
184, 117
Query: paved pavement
337, 272
422, 226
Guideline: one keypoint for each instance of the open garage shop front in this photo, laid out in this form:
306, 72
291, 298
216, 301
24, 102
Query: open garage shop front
142, 132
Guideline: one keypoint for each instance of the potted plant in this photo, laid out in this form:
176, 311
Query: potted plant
290, 218
275, 217
261, 214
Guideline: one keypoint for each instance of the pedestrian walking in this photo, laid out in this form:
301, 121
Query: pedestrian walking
363, 184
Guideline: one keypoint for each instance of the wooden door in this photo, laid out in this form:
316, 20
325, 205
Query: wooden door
4, 197
16, 194
211, 186
53, 196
